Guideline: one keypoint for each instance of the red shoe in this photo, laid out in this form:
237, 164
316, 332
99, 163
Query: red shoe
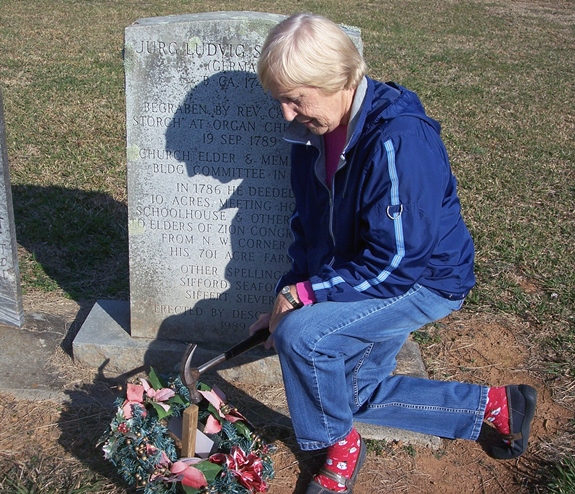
521, 402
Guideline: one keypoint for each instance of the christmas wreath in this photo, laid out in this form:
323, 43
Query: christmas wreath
141, 445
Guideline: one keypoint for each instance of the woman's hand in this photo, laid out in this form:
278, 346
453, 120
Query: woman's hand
271, 319
262, 323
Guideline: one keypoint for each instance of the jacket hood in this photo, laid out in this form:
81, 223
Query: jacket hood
390, 100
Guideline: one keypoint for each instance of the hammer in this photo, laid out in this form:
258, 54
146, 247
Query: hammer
190, 375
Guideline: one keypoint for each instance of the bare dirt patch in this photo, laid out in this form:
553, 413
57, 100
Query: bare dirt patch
49, 439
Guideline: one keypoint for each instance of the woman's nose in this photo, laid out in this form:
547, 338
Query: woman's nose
288, 112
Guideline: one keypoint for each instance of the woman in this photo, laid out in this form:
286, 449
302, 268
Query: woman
380, 250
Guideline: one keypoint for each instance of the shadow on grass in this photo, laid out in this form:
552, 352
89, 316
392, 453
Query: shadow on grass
88, 412
78, 241
91, 408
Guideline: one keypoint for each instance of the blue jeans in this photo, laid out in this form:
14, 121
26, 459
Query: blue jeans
337, 359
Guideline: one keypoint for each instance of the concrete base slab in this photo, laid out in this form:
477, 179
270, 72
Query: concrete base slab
27, 370
104, 342
390, 435
380, 433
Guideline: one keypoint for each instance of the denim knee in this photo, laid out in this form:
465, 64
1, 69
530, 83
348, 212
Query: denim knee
285, 335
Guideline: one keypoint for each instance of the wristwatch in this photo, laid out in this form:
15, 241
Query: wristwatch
287, 294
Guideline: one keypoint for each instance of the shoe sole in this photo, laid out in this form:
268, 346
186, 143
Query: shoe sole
518, 446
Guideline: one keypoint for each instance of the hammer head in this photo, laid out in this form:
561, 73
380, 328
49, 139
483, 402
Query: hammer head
190, 375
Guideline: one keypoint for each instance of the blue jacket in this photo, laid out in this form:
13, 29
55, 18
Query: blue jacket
392, 216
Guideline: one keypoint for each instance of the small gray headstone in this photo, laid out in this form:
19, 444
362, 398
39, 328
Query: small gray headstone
209, 198
11, 311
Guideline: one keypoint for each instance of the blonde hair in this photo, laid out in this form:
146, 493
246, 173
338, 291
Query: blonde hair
310, 50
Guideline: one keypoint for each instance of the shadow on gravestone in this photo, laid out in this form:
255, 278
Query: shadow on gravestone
238, 271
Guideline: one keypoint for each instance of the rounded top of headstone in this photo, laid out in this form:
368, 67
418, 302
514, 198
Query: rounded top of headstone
221, 16
211, 16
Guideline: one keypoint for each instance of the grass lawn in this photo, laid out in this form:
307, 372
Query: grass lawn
499, 75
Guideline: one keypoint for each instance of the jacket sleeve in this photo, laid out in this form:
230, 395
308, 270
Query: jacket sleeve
298, 254
399, 210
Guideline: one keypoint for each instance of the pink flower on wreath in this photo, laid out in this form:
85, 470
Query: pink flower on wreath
134, 396
187, 474
247, 469
163, 462
217, 398
179, 471
213, 425
152, 450
158, 395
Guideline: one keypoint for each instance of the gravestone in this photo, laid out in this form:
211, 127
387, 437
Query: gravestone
209, 197
11, 311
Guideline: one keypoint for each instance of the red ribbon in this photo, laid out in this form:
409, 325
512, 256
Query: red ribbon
247, 469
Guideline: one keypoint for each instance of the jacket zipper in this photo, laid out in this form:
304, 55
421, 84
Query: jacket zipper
331, 193
331, 201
